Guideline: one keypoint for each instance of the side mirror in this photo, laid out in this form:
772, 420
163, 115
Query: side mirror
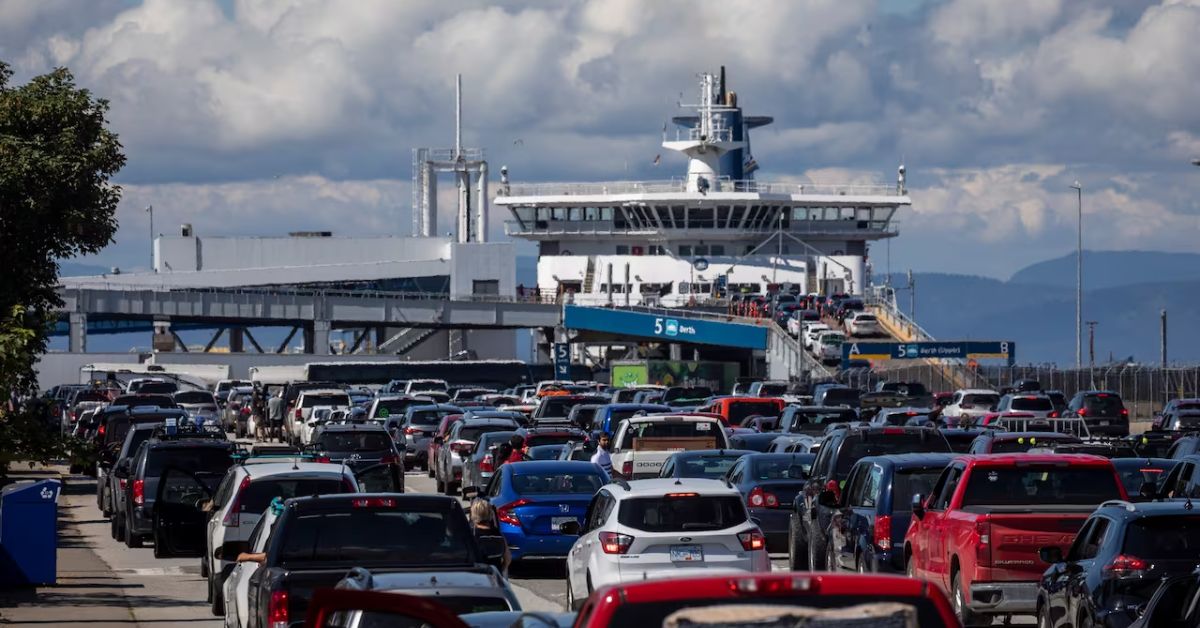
1051, 555
828, 499
570, 528
230, 550
492, 548
918, 506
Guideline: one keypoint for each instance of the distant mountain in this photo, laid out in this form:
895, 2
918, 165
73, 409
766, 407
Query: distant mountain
1040, 315
1111, 269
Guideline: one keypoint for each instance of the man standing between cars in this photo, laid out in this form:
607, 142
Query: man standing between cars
601, 457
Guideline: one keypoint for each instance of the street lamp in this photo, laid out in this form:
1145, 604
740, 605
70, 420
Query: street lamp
150, 210
1079, 280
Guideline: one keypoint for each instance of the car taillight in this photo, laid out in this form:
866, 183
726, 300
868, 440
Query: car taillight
245, 410
883, 532
232, 517
277, 610
753, 540
298, 414
462, 447
124, 483
506, 515
322, 459
1125, 566
139, 492
1054, 414
1124, 411
100, 430
1083, 412
759, 498
613, 543
486, 463
983, 550
374, 502
627, 468
388, 459
410, 430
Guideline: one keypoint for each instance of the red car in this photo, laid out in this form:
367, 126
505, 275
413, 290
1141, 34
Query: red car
649, 603
979, 532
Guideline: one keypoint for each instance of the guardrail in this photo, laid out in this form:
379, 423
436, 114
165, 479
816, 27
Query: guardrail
677, 185
531, 295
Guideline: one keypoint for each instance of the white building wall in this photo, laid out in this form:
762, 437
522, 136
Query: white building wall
179, 253
471, 261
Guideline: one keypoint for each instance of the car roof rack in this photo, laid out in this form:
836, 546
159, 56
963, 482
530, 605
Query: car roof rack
1119, 503
167, 431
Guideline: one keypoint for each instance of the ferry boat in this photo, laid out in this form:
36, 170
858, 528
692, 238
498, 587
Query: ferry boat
715, 232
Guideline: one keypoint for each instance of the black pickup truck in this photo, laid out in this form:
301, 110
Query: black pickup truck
316, 540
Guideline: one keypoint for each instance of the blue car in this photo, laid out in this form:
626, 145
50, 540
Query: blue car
867, 531
532, 499
769, 483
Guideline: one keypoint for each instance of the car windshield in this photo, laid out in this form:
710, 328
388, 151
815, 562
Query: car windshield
705, 466
1163, 537
369, 535
310, 401
194, 397
1040, 485
557, 483
670, 429
1105, 404
259, 494
682, 512
909, 482
196, 460
473, 432
355, 441
1022, 444
779, 468
739, 410
1033, 404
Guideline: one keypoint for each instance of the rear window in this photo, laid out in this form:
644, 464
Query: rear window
984, 401
772, 390
841, 396
686, 513
1033, 404
90, 395
913, 389
1030, 486
1134, 476
427, 387
157, 387
138, 437
473, 433
802, 419
855, 448
387, 407
864, 318
365, 536
1165, 537
550, 439
832, 340
909, 482
705, 467
655, 613
1022, 444
458, 604
696, 392
355, 441
196, 460
781, 468
1103, 404
429, 417
325, 400
671, 429
739, 410
560, 406
557, 483
195, 396
259, 494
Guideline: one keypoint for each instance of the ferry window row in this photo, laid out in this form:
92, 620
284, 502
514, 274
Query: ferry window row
701, 217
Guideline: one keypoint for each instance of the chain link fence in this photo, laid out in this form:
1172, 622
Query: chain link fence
1144, 389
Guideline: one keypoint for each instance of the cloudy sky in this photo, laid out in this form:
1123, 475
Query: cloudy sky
267, 116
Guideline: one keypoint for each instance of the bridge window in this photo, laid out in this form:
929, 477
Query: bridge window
717, 249
485, 286
656, 249
799, 213
543, 213
575, 213
700, 250
685, 250
606, 213
560, 213
622, 249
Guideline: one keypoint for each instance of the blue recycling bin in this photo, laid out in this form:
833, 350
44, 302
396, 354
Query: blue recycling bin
29, 533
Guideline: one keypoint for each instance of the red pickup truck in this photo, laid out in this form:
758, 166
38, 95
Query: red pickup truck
978, 533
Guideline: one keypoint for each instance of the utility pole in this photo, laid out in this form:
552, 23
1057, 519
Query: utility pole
150, 210
1162, 315
1079, 279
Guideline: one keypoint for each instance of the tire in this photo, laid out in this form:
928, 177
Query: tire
959, 600
204, 566
573, 605
831, 562
131, 539
217, 593
440, 485
452, 488
112, 528
160, 548
816, 555
1085, 620
1043, 617
797, 548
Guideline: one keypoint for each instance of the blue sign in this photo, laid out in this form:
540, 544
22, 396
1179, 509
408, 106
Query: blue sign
562, 360
661, 326
1004, 349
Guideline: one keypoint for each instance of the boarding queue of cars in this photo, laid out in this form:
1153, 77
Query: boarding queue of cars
1007, 509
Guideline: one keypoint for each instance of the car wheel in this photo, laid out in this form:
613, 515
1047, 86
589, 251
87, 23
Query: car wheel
112, 528
160, 548
452, 488
204, 566
572, 604
1085, 620
961, 609
797, 549
1043, 617
217, 593
440, 485
131, 539
816, 556
831, 562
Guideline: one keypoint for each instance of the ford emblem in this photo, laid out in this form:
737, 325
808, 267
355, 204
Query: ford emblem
685, 539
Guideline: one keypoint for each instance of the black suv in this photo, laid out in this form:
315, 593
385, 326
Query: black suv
1102, 410
172, 466
812, 514
359, 447
1118, 559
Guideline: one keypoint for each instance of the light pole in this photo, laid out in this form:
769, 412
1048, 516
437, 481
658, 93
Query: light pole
1079, 281
150, 210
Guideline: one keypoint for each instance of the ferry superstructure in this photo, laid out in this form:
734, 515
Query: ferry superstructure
715, 231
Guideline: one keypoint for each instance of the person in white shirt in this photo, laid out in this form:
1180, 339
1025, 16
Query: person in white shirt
601, 456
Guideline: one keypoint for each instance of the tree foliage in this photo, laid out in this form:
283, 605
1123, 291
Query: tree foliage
57, 157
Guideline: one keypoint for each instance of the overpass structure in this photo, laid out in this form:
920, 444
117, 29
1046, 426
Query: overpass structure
310, 312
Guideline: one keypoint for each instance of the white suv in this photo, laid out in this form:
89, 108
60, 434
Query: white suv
863, 325
969, 404
811, 331
247, 491
308, 401
661, 528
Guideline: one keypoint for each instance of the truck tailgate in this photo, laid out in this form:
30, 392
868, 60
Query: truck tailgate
300, 584
1015, 539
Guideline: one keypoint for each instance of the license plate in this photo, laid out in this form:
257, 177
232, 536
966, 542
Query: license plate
687, 554
557, 521
1105, 423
